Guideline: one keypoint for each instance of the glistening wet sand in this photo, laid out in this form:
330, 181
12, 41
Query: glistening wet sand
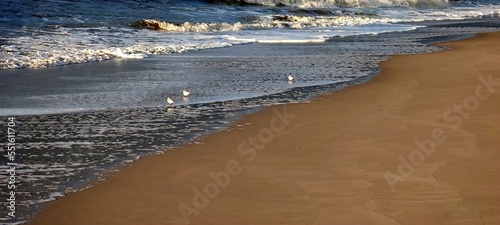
416, 145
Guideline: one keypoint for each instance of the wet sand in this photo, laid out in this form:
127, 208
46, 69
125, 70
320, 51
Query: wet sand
416, 145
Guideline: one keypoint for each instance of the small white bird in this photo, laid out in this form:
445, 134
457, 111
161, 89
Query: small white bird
186, 93
290, 77
170, 101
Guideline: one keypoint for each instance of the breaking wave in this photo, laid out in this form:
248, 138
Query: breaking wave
267, 22
335, 3
54, 41
80, 48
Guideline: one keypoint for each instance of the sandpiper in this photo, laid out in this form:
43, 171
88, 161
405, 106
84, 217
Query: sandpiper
170, 101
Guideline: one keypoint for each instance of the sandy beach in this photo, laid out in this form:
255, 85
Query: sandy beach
418, 144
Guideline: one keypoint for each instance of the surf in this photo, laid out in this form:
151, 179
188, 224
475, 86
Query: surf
335, 3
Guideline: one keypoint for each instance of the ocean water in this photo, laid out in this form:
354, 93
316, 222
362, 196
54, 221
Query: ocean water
87, 80
35, 34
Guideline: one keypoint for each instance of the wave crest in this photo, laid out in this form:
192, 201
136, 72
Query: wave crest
334, 3
186, 27
265, 22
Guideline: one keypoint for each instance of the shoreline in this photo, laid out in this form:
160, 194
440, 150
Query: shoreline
336, 173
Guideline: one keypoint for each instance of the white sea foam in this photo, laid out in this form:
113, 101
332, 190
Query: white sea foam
73, 45
120, 54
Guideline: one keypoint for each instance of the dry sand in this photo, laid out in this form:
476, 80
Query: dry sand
349, 157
